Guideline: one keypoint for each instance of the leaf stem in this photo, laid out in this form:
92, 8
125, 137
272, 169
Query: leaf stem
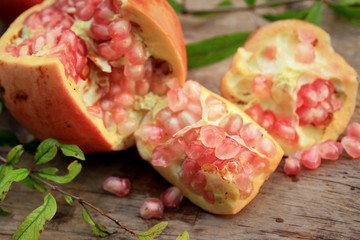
237, 9
81, 201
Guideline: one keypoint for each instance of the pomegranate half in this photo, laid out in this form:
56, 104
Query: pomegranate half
289, 79
86, 71
207, 147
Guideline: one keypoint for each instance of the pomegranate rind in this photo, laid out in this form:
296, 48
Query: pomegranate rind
327, 64
227, 197
44, 100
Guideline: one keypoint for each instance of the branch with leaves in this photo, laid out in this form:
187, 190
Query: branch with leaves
43, 179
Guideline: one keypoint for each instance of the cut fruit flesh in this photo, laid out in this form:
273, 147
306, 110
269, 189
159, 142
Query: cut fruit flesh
214, 160
290, 80
71, 76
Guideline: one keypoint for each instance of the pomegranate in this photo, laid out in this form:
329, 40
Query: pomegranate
207, 147
86, 71
288, 78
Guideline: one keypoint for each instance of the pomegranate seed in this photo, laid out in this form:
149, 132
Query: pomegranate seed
323, 88
229, 148
194, 149
99, 32
305, 53
285, 131
261, 87
107, 52
152, 208
192, 90
187, 118
353, 130
250, 133
311, 158
177, 100
231, 124
270, 52
103, 13
307, 96
119, 28
216, 108
172, 125
198, 183
136, 54
84, 9
266, 147
161, 156
117, 186
209, 197
151, 133
243, 183
142, 87
292, 166
191, 135
172, 197
134, 72
351, 146
268, 120
255, 112
211, 136
330, 150
122, 45
127, 127
189, 169
306, 36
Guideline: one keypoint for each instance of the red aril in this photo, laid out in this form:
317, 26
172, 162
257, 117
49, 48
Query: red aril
292, 165
289, 79
117, 186
311, 158
330, 150
171, 197
351, 146
221, 161
86, 71
152, 208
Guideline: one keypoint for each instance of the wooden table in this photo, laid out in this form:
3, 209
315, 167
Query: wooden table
321, 204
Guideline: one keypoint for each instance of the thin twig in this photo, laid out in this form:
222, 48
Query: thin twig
237, 9
81, 201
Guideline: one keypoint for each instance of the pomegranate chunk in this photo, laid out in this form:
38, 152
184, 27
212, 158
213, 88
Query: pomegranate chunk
220, 158
289, 80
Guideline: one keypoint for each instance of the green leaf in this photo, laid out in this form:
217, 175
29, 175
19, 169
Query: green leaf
8, 175
214, 49
97, 229
350, 13
225, 3
71, 150
34, 223
250, 3
183, 236
178, 7
8, 138
4, 213
294, 14
14, 155
315, 14
74, 169
34, 184
153, 231
68, 199
46, 151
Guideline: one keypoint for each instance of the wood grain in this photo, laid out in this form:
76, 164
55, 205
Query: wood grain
321, 204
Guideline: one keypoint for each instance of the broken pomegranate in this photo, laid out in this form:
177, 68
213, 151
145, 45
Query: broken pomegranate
207, 147
86, 71
288, 78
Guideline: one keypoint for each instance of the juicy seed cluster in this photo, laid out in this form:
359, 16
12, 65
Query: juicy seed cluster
114, 41
278, 125
225, 148
316, 102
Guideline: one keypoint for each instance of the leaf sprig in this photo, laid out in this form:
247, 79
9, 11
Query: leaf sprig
43, 179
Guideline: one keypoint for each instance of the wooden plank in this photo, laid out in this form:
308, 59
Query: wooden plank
321, 204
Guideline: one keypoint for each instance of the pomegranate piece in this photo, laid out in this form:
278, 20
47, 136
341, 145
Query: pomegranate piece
86, 71
152, 208
218, 162
289, 79
117, 186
